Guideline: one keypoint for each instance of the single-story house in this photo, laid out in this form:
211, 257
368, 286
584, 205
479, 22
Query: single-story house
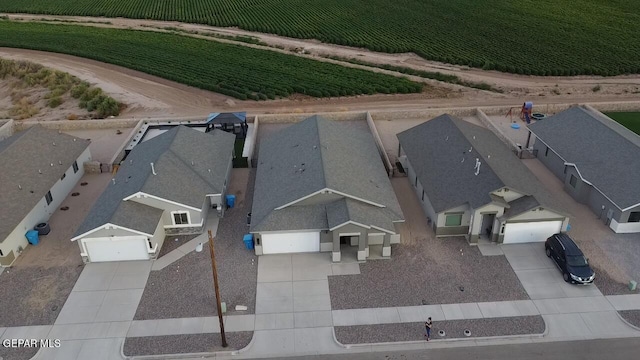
38, 169
165, 186
597, 159
321, 184
469, 183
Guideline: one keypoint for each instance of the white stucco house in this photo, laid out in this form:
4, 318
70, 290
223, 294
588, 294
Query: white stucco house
470, 184
165, 186
38, 169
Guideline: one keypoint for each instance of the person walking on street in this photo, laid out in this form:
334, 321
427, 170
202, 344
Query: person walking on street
427, 328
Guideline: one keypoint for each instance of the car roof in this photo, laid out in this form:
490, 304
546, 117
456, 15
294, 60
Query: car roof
570, 247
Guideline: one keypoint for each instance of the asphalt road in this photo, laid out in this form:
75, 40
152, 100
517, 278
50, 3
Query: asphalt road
609, 349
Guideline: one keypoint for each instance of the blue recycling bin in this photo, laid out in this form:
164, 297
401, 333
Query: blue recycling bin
32, 237
231, 201
248, 241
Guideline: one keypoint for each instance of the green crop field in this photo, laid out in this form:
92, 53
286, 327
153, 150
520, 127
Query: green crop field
630, 120
233, 70
542, 37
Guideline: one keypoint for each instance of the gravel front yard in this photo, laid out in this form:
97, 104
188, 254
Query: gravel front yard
17, 353
185, 288
34, 295
632, 317
431, 272
185, 344
171, 244
454, 329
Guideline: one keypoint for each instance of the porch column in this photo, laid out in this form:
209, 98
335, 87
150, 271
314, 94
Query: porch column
363, 245
386, 245
335, 255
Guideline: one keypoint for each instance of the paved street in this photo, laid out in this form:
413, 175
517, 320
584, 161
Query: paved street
610, 349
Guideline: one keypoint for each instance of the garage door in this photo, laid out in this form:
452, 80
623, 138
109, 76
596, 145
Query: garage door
530, 231
117, 248
290, 243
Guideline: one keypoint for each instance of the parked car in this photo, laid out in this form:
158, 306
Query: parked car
569, 259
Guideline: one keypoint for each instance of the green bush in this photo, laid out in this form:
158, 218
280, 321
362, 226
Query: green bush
54, 102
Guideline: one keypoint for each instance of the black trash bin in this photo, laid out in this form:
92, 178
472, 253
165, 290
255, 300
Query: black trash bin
43, 228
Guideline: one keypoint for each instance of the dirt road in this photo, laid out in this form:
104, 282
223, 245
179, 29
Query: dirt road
514, 85
151, 96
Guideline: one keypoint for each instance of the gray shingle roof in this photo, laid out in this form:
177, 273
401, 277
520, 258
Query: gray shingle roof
21, 156
313, 155
606, 154
436, 150
176, 178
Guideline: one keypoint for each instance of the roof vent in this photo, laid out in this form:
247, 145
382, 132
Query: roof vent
39, 171
51, 164
446, 139
54, 143
191, 163
130, 161
19, 186
59, 162
471, 148
153, 170
477, 167
113, 181
74, 139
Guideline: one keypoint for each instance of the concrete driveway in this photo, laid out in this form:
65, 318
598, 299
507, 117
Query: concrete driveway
540, 276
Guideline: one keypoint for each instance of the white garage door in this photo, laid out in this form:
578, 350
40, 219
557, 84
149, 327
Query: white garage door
117, 248
530, 231
290, 242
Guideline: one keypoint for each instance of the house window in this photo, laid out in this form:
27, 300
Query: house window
573, 181
546, 152
453, 219
502, 229
565, 169
75, 167
63, 176
49, 198
1, 253
180, 218
416, 182
634, 216
422, 195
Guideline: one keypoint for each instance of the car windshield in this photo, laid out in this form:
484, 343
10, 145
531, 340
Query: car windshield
576, 260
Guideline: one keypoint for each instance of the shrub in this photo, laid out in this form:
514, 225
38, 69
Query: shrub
596, 88
55, 101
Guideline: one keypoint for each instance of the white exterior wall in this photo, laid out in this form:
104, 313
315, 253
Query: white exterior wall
624, 228
42, 212
194, 215
158, 237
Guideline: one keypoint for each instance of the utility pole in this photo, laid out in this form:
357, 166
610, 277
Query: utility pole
217, 290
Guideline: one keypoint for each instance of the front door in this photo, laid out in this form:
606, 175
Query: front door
345, 240
487, 225
609, 216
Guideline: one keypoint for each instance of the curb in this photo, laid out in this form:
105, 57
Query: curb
626, 322
444, 341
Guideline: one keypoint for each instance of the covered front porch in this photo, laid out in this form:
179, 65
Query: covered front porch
365, 242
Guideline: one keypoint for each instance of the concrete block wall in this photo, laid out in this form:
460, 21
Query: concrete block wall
6, 129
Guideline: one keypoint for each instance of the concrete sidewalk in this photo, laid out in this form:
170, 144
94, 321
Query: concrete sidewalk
189, 246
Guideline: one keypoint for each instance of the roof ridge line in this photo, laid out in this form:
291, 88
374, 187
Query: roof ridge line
322, 159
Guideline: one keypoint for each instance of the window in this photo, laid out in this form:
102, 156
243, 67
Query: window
573, 181
416, 182
1, 253
180, 218
565, 169
422, 195
63, 176
634, 216
75, 167
546, 152
453, 220
49, 198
